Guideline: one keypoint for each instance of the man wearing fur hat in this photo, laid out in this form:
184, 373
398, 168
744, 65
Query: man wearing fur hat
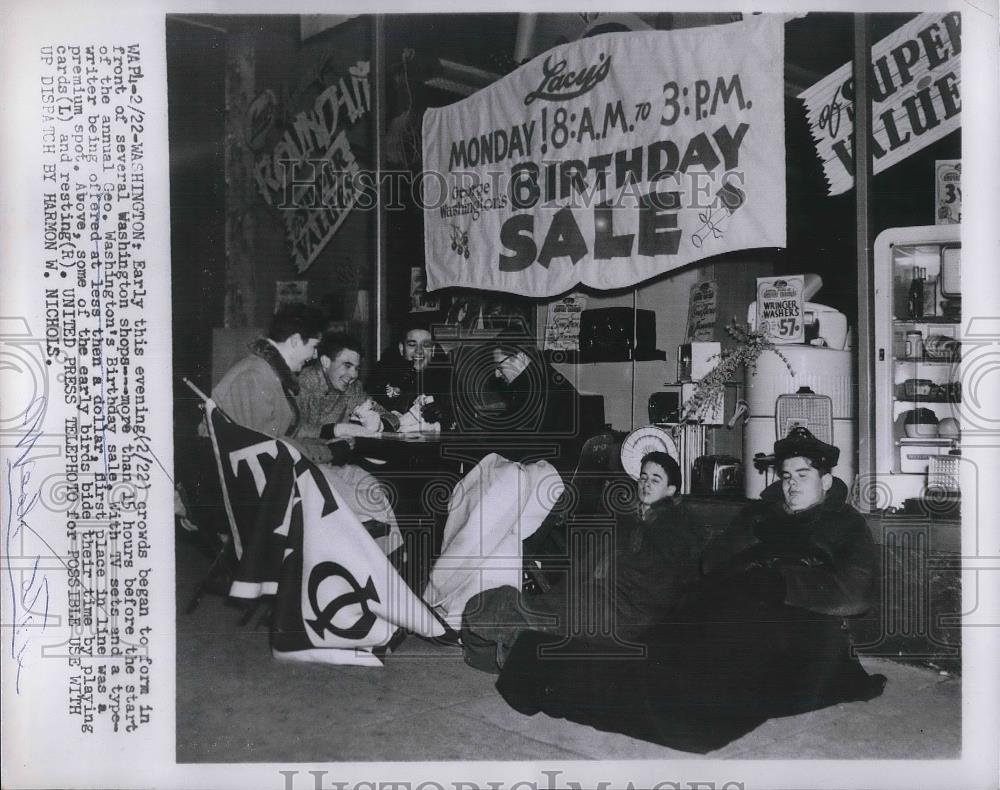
802, 540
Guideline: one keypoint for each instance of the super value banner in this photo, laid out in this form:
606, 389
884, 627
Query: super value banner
916, 98
609, 161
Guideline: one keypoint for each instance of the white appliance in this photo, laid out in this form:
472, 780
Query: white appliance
916, 353
826, 371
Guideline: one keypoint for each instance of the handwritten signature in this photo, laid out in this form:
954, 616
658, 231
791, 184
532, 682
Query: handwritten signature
32, 593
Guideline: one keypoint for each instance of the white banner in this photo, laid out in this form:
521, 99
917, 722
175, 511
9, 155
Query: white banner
609, 161
916, 98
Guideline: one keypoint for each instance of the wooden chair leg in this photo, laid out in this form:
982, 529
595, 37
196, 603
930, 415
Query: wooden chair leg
220, 562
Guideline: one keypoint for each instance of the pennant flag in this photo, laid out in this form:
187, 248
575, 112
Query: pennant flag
337, 596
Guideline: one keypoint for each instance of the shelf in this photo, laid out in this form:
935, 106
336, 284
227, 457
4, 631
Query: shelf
933, 319
941, 408
919, 402
937, 363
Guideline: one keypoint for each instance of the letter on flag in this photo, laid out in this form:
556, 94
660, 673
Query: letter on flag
337, 596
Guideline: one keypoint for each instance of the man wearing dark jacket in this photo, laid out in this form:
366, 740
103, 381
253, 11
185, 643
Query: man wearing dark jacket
543, 412
802, 538
543, 419
762, 633
616, 592
412, 369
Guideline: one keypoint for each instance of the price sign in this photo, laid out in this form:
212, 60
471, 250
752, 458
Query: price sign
780, 307
947, 191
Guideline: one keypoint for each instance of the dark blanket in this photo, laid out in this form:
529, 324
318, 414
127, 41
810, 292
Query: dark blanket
700, 685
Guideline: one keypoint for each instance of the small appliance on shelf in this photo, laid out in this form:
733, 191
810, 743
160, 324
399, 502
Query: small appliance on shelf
718, 475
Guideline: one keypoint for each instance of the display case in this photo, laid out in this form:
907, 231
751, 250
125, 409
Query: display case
918, 313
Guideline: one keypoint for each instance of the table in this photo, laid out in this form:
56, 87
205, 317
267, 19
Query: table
420, 475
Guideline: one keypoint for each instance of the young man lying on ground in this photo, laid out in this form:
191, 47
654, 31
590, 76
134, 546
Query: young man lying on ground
616, 595
760, 635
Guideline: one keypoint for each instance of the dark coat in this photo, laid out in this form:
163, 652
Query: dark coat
394, 384
760, 636
825, 556
655, 561
543, 411
630, 589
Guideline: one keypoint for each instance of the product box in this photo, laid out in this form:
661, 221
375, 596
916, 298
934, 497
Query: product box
915, 454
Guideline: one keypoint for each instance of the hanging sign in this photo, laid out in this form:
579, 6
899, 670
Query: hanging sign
562, 327
311, 175
609, 161
947, 191
780, 307
702, 311
916, 99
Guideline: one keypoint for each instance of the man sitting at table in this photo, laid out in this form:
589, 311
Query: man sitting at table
335, 409
332, 400
263, 392
542, 408
543, 418
411, 379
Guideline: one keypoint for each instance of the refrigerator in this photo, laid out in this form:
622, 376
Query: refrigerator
918, 316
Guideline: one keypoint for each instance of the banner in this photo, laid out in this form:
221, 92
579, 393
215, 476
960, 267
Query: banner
916, 100
336, 594
609, 161
311, 173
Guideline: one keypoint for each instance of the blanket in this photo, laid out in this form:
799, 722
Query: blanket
493, 508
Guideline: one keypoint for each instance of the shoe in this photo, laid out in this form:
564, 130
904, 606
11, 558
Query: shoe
876, 685
449, 638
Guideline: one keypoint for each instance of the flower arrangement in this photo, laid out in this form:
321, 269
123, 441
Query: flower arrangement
750, 344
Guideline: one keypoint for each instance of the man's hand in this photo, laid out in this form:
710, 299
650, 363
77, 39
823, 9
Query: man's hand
408, 423
369, 418
431, 412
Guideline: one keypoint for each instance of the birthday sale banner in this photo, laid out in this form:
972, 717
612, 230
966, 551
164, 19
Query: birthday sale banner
609, 161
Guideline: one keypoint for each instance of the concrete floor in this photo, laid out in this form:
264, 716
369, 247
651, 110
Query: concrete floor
236, 704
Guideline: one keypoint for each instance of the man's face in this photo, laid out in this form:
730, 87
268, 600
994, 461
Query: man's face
802, 484
654, 484
416, 348
343, 368
300, 351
